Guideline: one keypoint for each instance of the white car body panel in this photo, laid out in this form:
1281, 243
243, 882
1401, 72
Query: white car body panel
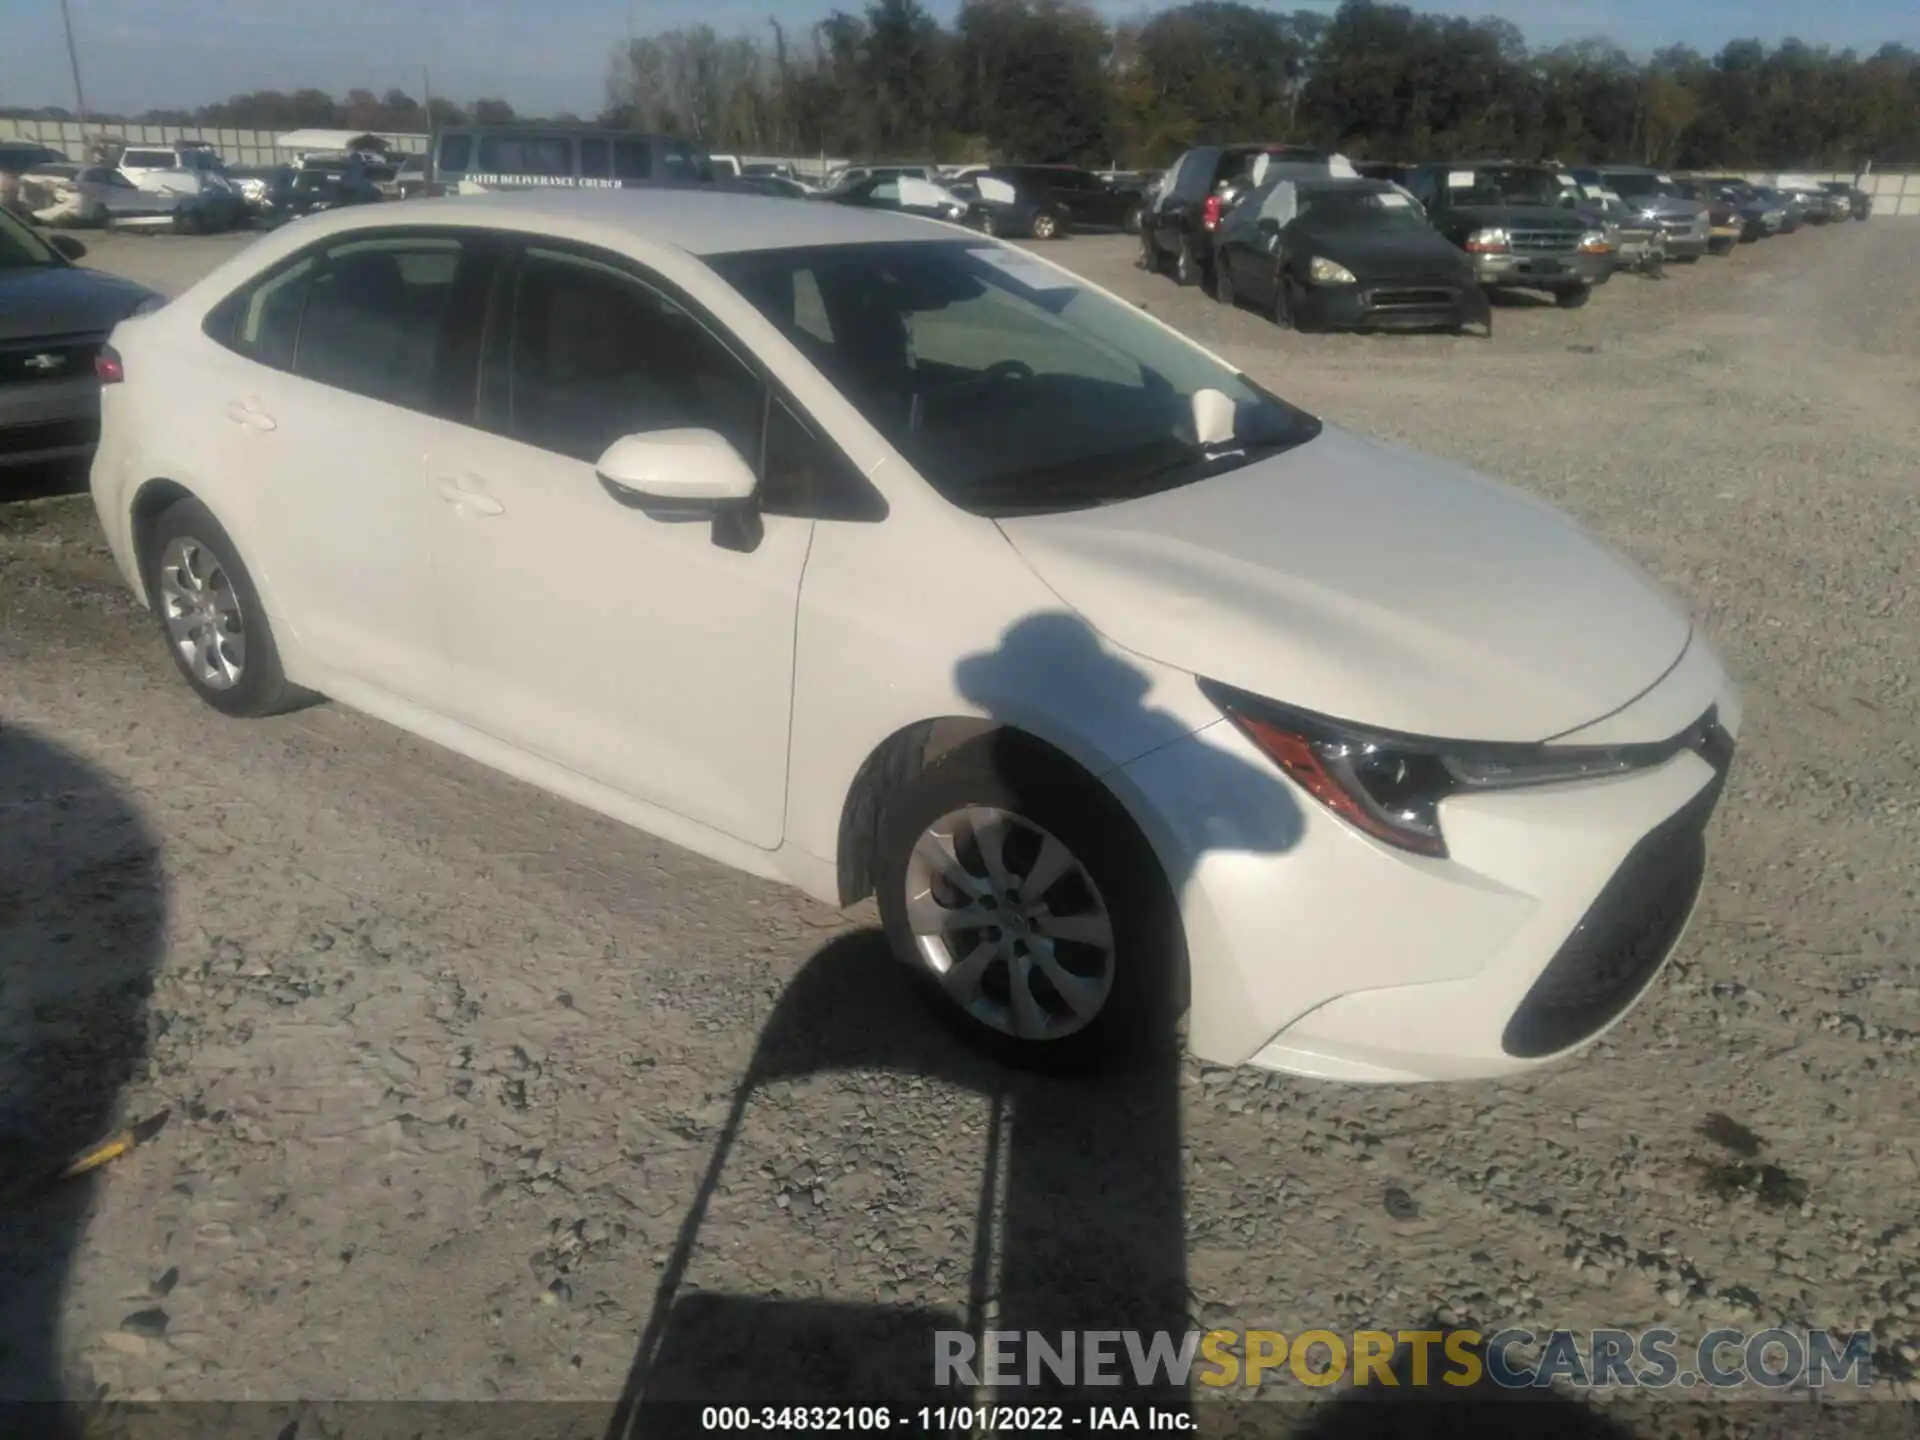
727, 701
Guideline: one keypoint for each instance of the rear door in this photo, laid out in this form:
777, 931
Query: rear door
346, 363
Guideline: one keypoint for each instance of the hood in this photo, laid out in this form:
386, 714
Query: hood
1411, 254
1522, 217
63, 300
1369, 584
1673, 205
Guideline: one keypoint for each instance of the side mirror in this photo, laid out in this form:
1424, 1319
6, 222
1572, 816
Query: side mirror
682, 475
67, 245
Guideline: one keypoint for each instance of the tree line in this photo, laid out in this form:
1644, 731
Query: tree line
1051, 80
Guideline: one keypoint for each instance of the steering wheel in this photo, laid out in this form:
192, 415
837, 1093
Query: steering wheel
1008, 370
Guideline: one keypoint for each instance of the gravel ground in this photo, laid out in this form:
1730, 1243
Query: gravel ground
444, 1060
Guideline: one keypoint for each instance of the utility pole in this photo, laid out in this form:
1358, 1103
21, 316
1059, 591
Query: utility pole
73, 60
426, 98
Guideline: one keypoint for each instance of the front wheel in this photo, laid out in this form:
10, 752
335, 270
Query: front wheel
1223, 282
210, 613
1573, 297
1047, 226
1286, 309
988, 225
1024, 897
1135, 214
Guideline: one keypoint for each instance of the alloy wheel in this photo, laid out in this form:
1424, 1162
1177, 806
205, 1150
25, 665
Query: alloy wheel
202, 613
1010, 923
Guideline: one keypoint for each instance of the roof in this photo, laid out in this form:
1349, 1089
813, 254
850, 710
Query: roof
695, 218
330, 140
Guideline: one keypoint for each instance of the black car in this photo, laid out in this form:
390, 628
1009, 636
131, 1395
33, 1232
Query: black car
1520, 225
1195, 196
1344, 254
1084, 198
1001, 208
54, 319
908, 195
293, 192
1859, 202
19, 156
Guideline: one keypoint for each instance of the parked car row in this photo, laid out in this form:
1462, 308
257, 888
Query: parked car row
1318, 243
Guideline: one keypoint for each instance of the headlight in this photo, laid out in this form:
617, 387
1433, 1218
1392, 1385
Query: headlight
1391, 786
148, 306
1595, 242
1327, 272
1487, 242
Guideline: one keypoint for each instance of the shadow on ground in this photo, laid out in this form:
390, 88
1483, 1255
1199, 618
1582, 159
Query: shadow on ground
82, 905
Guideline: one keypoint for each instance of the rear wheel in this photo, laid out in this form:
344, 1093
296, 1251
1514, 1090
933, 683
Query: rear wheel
215, 626
1186, 265
1023, 896
1151, 260
1134, 214
1047, 226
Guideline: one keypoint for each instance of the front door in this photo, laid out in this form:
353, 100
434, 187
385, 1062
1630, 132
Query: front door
633, 650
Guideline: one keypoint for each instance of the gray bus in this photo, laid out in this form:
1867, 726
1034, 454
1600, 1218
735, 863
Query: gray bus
467, 159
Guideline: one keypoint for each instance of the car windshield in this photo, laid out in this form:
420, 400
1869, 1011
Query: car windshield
1506, 185
1640, 186
20, 248
1360, 210
1010, 385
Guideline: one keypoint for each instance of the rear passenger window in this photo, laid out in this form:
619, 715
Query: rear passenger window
546, 155
263, 323
455, 152
632, 160
374, 315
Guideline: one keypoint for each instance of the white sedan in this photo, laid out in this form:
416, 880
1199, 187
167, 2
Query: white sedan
881, 558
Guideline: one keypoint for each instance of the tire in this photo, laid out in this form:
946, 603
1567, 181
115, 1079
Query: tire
1151, 260
1721, 247
1135, 214
1223, 284
1573, 297
186, 222
1047, 226
1125, 954
1684, 259
240, 673
988, 225
1186, 265
1285, 314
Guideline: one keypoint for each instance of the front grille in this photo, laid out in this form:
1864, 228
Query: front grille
1419, 299
49, 435
65, 357
1678, 224
1629, 930
1544, 242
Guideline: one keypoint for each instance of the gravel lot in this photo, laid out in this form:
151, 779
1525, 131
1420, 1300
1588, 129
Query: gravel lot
444, 1059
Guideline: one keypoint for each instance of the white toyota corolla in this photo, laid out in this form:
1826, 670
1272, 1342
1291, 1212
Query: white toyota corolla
881, 558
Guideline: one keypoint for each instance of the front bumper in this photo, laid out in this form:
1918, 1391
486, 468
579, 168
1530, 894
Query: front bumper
1685, 244
1318, 951
49, 421
1557, 271
1392, 305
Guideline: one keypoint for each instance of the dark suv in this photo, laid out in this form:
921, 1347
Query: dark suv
1186, 208
1514, 219
1084, 197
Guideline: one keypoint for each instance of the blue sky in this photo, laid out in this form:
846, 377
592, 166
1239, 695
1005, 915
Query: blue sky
141, 54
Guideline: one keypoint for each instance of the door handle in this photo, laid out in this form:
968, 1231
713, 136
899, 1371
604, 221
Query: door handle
248, 413
466, 493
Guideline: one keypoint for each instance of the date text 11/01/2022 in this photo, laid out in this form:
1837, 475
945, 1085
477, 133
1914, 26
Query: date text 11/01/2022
944, 1419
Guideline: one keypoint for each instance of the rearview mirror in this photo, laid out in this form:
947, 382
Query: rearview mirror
685, 474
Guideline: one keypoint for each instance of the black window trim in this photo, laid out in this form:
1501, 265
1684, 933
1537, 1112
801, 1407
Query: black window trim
856, 501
